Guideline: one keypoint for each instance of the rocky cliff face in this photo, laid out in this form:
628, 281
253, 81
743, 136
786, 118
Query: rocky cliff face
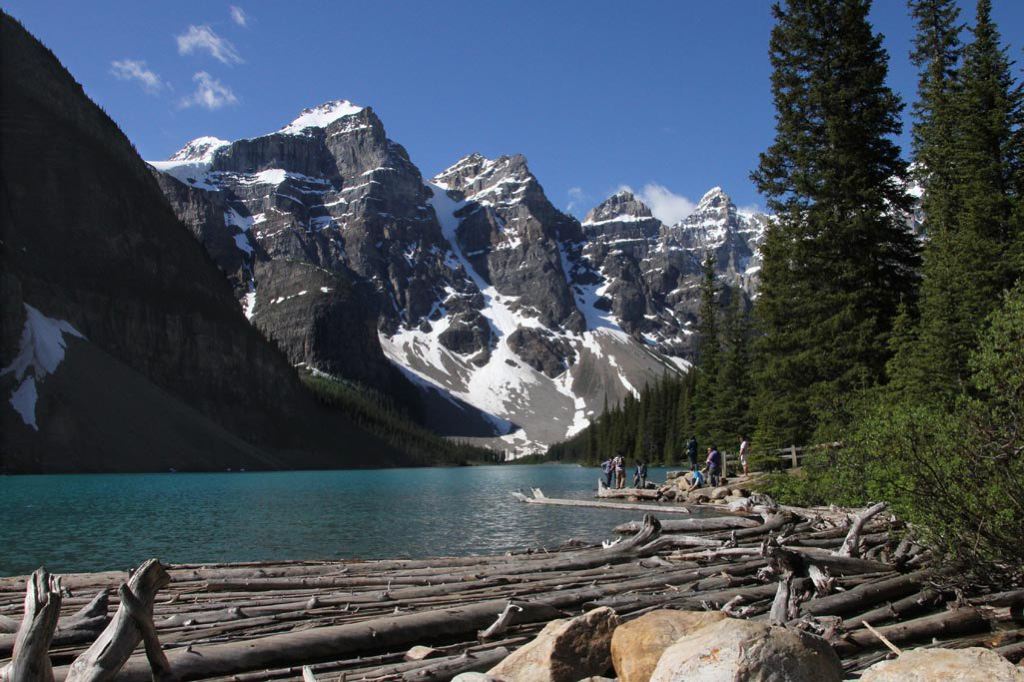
122, 346
653, 270
480, 290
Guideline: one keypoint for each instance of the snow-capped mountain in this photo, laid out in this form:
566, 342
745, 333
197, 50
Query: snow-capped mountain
653, 270
516, 320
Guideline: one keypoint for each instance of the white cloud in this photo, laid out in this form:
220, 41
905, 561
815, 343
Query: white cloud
576, 198
238, 15
198, 38
133, 70
210, 93
667, 206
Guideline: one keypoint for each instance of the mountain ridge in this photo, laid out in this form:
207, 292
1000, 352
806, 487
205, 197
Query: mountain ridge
487, 295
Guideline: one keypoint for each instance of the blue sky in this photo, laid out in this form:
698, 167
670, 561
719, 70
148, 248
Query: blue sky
669, 98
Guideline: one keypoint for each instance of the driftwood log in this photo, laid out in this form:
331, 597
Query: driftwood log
334, 620
30, 660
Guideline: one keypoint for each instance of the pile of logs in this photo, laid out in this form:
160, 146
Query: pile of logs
856, 578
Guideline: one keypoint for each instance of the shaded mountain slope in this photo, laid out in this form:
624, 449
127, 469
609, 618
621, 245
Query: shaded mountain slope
122, 344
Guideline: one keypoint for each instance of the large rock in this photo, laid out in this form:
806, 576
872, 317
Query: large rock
748, 651
963, 665
637, 646
566, 650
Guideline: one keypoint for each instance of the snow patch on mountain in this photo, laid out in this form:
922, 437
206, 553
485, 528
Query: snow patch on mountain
321, 116
40, 352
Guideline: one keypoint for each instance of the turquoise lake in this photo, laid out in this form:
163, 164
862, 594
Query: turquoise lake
113, 521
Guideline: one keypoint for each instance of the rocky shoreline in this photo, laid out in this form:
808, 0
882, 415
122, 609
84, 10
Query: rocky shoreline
770, 593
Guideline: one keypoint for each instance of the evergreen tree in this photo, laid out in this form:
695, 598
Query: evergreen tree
970, 151
837, 262
733, 407
708, 354
936, 53
684, 415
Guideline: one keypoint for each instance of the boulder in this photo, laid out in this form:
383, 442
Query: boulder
566, 650
670, 475
698, 496
963, 665
638, 645
475, 677
748, 651
719, 493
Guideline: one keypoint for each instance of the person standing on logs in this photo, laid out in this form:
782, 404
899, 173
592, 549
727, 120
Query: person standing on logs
691, 452
744, 451
640, 476
620, 471
714, 464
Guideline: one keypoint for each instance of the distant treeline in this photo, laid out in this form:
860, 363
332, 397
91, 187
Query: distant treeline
382, 416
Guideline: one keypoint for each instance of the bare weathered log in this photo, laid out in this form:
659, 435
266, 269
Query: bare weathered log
1012, 652
960, 621
83, 626
927, 598
8, 626
775, 522
865, 595
501, 624
442, 671
651, 508
30, 660
696, 525
328, 643
627, 493
132, 623
851, 545
840, 565
779, 613
669, 542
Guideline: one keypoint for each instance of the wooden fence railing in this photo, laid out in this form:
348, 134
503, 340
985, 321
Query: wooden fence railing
791, 455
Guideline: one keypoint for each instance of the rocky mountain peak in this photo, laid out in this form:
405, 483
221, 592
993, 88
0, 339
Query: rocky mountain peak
714, 198
200, 150
622, 206
321, 116
476, 176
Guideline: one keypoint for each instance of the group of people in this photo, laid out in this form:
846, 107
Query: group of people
615, 471
711, 473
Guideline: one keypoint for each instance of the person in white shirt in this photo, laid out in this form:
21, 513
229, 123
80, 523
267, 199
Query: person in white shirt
744, 451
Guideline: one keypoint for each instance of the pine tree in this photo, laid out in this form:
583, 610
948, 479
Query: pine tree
970, 151
684, 415
837, 262
708, 354
733, 407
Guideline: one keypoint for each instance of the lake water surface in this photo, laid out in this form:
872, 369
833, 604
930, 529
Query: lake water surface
113, 521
